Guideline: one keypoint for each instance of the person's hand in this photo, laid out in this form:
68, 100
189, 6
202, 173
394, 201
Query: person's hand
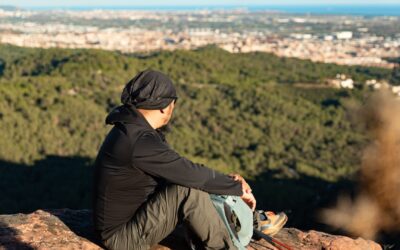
245, 187
249, 199
247, 196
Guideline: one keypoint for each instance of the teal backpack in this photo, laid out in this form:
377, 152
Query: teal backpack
237, 217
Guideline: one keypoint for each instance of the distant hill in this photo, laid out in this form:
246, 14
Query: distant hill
205, 65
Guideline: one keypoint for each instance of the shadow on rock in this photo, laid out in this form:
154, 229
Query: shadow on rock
9, 239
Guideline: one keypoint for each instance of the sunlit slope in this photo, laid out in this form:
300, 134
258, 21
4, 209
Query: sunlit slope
236, 112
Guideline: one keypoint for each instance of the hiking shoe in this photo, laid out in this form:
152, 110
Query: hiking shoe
271, 223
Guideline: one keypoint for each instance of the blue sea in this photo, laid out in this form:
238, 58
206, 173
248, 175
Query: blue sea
363, 10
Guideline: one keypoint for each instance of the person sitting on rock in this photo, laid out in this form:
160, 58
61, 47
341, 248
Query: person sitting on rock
142, 188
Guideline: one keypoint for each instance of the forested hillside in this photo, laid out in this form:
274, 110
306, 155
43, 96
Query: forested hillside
236, 112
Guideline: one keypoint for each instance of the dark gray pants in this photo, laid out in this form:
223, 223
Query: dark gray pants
163, 212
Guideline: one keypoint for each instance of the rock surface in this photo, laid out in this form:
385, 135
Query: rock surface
72, 229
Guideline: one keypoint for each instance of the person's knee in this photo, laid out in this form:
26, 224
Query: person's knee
199, 195
191, 193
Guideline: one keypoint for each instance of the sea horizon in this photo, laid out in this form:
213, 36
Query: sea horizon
350, 9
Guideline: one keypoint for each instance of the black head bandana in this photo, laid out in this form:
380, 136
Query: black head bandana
149, 90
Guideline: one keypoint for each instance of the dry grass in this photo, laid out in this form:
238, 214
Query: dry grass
378, 205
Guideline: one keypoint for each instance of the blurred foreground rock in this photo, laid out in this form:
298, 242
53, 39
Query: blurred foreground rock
72, 229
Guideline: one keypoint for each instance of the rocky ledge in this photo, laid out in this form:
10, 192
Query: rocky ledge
72, 229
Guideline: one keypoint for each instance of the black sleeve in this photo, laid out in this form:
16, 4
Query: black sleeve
153, 156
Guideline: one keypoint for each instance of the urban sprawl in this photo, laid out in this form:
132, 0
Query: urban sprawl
349, 40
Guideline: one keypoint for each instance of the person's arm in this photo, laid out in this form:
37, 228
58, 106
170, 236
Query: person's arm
156, 158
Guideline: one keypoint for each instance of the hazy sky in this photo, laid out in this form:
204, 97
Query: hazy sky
185, 2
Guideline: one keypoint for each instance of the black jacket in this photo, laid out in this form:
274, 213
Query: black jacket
133, 162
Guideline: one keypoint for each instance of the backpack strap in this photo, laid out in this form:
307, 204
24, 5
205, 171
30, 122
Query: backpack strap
237, 217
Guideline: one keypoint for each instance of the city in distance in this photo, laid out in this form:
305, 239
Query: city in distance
290, 31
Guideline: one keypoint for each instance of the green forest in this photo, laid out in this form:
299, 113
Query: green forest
236, 113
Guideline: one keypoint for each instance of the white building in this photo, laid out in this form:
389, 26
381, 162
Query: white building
396, 90
344, 35
348, 83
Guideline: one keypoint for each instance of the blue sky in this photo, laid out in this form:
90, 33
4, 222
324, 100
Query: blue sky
23, 3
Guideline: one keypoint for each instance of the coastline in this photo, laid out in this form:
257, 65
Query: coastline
351, 9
